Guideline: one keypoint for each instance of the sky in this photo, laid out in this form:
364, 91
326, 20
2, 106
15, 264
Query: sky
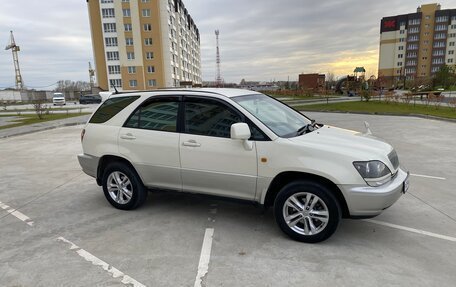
260, 40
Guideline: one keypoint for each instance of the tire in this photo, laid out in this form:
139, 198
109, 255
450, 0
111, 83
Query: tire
121, 177
296, 207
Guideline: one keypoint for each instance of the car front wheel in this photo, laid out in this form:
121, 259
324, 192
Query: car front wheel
123, 187
307, 211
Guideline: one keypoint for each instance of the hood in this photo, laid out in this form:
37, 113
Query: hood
356, 145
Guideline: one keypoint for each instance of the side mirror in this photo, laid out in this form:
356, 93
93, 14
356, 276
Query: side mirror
241, 131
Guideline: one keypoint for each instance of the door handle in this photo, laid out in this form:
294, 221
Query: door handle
128, 136
191, 143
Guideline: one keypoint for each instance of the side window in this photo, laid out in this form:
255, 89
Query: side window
256, 134
209, 118
159, 116
110, 108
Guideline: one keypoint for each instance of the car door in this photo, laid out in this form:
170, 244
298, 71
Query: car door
211, 161
150, 140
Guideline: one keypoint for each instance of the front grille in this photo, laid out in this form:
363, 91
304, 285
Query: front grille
394, 159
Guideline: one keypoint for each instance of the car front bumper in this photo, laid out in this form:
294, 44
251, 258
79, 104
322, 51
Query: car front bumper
89, 164
367, 201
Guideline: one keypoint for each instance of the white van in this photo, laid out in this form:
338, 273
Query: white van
58, 99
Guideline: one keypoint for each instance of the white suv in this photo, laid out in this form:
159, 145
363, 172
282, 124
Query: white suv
239, 144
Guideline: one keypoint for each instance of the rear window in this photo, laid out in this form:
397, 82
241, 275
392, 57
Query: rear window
110, 108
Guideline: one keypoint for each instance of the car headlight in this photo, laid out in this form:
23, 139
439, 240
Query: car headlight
374, 172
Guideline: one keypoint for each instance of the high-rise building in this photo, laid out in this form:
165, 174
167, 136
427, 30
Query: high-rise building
144, 44
416, 45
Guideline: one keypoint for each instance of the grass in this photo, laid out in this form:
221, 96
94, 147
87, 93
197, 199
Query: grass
374, 107
24, 120
32, 110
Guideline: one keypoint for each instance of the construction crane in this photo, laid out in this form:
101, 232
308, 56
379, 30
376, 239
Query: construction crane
218, 79
14, 48
91, 75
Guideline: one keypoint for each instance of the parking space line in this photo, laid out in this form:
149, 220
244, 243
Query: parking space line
428, 176
205, 256
115, 273
418, 231
19, 215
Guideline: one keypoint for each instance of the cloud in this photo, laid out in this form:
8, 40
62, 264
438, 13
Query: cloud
259, 39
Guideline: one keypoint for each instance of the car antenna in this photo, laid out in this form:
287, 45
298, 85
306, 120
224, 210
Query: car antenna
115, 89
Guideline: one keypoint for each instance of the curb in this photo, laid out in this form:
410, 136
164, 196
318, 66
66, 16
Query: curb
40, 129
428, 117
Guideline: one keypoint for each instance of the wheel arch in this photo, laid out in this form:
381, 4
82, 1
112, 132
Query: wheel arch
108, 159
286, 177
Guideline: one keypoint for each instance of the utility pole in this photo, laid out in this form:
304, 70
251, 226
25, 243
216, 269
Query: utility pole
218, 79
14, 48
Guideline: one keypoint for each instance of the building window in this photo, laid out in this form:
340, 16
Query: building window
439, 36
451, 52
108, 13
399, 64
414, 21
152, 83
450, 61
116, 83
438, 53
149, 55
114, 69
402, 32
414, 30
109, 27
126, 12
106, 1
111, 41
147, 27
112, 56
131, 69
148, 41
130, 55
145, 1
126, 1
451, 44
128, 27
129, 41
146, 12
437, 61
452, 35
150, 69
402, 40
133, 83
413, 38
441, 19
440, 44
400, 56
440, 27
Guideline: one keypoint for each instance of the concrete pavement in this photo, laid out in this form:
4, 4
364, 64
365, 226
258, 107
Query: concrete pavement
160, 244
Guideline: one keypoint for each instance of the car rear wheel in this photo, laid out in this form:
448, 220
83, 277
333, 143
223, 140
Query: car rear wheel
123, 187
307, 211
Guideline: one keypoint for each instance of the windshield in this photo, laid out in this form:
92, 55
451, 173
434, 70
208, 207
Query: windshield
281, 119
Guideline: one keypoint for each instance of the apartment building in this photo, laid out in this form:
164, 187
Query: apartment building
417, 44
144, 44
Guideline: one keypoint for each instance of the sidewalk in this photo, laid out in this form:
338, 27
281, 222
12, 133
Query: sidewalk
43, 126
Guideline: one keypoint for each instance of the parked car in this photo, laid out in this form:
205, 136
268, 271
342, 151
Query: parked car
90, 99
240, 144
58, 99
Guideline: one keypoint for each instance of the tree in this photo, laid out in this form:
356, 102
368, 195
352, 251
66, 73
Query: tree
330, 80
444, 77
68, 85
